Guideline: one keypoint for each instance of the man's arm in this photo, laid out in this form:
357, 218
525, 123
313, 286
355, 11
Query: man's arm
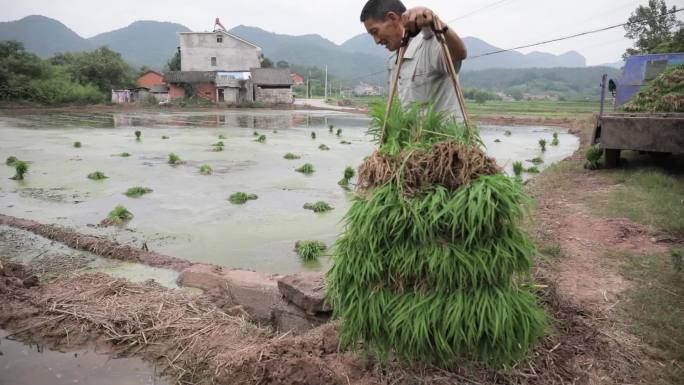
415, 19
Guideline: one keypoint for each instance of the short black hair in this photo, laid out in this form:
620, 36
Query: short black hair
378, 9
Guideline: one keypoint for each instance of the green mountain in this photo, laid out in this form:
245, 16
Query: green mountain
150, 43
43, 36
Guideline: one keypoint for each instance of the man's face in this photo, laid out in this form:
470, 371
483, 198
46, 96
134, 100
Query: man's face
387, 32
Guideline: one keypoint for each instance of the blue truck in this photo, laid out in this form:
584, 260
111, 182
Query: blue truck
656, 133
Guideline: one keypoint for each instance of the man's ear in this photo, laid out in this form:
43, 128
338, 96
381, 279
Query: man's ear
392, 16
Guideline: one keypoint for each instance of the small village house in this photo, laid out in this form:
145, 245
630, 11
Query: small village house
297, 79
272, 85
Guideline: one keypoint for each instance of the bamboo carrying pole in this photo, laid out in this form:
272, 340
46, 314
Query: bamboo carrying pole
439, 31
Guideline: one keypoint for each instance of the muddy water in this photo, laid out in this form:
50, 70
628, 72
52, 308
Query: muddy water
188, 214
23, 364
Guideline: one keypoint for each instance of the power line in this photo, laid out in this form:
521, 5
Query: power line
478, 10
568, 37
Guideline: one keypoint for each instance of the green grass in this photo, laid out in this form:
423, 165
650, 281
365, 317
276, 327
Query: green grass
97, 175
291, 156
306, 168
205, 169
310, 250
654, 305
118, 216
650, 196
174, 159
545, 109
77, 144
11, 161
323, 147
137, 192
20, 169
593, 157
239, 198
319, 207
261, 139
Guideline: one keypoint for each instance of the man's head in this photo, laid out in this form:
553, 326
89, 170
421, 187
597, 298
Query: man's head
382, 19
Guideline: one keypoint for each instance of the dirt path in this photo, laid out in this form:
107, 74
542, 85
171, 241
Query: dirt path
197, 341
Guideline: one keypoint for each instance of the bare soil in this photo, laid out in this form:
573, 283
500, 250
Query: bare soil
197, 341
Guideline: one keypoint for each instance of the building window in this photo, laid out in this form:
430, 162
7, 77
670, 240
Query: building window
213, 62
219, 39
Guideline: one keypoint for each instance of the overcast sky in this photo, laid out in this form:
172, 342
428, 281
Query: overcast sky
502, 23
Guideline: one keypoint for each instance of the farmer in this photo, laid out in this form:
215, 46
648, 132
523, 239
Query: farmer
424, 77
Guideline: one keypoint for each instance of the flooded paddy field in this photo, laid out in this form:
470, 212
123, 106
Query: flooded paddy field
188, 215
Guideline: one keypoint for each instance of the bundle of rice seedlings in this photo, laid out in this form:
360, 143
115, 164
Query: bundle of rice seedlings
518, 169
432, 266
310, 250
291, 156
222, 137
532, 170
323, 147
339, 132
508, 133
124, 155
345, 142
174, 159
255, 133
97, 175
348, 174
11, 161
240, 198
306, 168
261, 139
555, 141
138, 134
118, 216
20, 169
542, 144
206, 169
330, 128
593, 156
497, 140
313, 135
164, 137
319, 207
137, 192
77, 144
218, 146
536, 160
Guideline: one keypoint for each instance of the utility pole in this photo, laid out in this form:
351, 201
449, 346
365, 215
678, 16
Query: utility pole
308, 86
326, 83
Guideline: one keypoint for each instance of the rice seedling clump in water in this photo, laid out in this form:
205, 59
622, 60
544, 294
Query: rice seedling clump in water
323, 147
77, 144
318, 207
306, 168
432, 266
137, 192
11, 161
261, 139
239, 198
346, 177
20, 169
174, 159
118, 216
291, 156
206, 169
310, 250
97, 175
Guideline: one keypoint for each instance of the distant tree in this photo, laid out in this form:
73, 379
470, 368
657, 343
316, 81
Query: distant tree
676, 44
104, 68
283, 64
650, 26
174, 64
266, 63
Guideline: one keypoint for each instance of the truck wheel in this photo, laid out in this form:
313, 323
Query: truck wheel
612, 158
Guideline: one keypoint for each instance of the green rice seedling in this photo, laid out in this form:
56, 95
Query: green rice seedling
542, 144
138, 134
77, 144
11, 161
124, 155
323, 147
118, 216
497, 140
291, 156
345, 142
508, 133
330, 128
313, 135
593, 156
439, 273
174, 159
319, 207
518, 168
137, 192
205, 169
306, 168
536, 160
164, 137
310, 250
348, 174
20, 169
222, 137
97, 175
339, 132
239, 198
255, 133
261, 139
555, 141
532, 170
219, 144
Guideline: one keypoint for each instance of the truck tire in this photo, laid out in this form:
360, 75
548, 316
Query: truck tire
612, 158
